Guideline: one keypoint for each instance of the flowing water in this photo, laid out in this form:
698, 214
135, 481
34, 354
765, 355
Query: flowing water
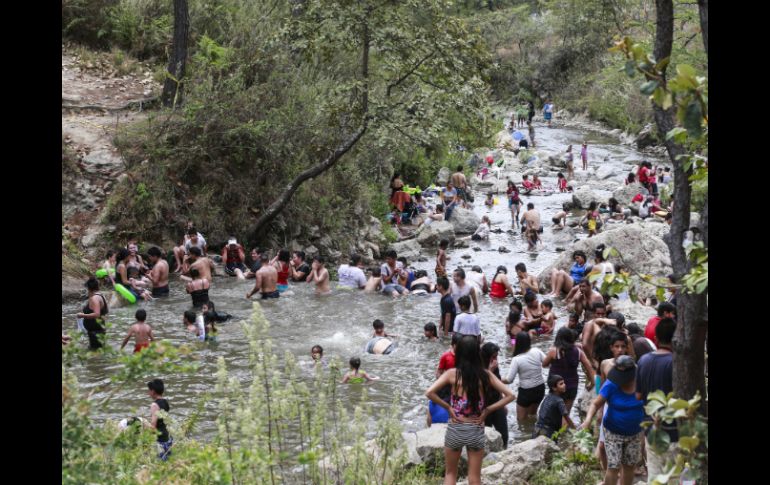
342, 322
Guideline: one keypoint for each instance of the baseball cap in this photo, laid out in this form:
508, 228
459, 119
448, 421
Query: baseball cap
232, 241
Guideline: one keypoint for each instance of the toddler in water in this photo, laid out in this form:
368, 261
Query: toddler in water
356, 376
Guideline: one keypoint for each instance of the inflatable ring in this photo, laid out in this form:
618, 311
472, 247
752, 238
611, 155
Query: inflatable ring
102, 273
661, 213
123, 291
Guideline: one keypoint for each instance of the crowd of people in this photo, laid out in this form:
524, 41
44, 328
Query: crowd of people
619, 363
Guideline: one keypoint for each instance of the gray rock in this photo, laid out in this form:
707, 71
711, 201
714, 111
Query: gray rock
428, 445
518, 463
409, 249
466, 256
646, 137
634, 312
625, 193
310, 251
605, 172
583, 196
443, 176
464, 221
643, 252
435, 232
503, 249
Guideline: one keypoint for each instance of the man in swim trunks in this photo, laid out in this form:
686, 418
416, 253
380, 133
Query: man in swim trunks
266, 280
532, 220
460, 184
159, 273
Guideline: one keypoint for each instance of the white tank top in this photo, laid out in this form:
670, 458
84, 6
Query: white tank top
458, 292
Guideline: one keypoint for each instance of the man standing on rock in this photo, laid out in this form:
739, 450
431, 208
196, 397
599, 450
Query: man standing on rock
159, 273
266, 280
530, 221
460, 184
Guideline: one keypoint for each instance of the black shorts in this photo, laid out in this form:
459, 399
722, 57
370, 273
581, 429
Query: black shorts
272, 294
570, 394
528, 397
160, 291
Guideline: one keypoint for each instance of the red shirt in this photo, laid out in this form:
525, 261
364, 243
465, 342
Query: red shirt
638, 198
527, 184
649, 330
642, 175
562, 183
447, 361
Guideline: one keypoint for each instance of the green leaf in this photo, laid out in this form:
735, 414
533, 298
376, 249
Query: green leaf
653, 406
648, 87
693, 118
689, 443
686, 70
677, 134
659, 440
630, 68
662, 64
680, 404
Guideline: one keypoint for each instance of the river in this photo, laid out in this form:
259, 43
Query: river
342, 322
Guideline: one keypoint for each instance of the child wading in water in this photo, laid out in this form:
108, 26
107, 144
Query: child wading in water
356, 376
553, 413
141, 332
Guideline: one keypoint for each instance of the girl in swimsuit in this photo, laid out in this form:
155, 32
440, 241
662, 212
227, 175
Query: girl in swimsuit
356, 376
470, 383
282, 266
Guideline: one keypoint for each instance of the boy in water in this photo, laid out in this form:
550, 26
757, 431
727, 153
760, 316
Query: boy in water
441, 258
356, 376
553, 414
447, 304
379, 330
320, 276
141, 332
156, 389
374, 281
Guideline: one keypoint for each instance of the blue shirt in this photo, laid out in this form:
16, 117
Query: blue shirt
624, 411
577, 272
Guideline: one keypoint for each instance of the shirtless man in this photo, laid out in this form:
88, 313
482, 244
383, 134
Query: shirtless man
320, 276
476, 277
584, 300
593, 327
141, 332
460, 184
533, 314
532, 220
159, 273
266, 280
526, 280
203, 264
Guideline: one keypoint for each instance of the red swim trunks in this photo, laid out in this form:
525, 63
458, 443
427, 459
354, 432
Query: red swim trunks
139, 347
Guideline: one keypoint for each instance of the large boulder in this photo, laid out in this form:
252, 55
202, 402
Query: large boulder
409, 249
443, 176
517, 464
514, 177
464, 221
428, 445
555, 161
646, 137
435, 232
605, 172
634, 312
624, 193
583, 196
641, 251
503, 139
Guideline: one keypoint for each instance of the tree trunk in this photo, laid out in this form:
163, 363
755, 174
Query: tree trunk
316, 170
703, 9
172, 87
692, 309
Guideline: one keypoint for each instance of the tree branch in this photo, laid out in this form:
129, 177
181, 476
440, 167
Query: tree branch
409, 72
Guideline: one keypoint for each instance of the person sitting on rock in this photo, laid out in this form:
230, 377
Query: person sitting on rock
482, 232
537, 183
526, 185
564, 281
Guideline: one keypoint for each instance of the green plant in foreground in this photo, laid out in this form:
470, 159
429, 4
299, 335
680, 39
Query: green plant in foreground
272, 426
